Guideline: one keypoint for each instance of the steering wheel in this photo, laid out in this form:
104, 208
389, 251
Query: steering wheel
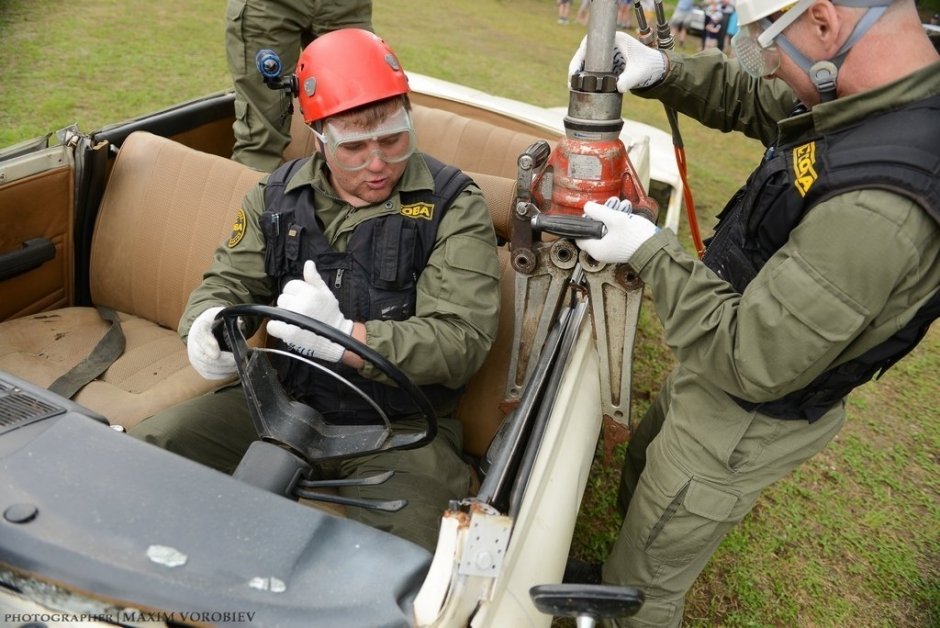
280, 419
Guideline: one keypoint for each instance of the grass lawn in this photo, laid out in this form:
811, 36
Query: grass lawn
851, 538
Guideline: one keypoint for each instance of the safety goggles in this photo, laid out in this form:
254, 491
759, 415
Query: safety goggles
754, 45
392, 141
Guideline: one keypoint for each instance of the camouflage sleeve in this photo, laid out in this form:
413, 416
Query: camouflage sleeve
714, 90
855, 270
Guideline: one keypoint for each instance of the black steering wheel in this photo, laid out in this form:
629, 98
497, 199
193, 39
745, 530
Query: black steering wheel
298, 427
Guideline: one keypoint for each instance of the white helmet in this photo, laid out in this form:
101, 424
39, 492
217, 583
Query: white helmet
755, 44
750, 11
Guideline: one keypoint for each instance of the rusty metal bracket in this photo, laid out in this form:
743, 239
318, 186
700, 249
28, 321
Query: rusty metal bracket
487, 540
615, 293
529, 163
539, 296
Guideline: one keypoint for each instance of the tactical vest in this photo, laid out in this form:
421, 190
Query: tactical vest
374, 279
897, 151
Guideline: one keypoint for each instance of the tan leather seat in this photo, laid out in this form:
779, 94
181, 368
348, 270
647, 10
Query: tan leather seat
165, 209
479, 409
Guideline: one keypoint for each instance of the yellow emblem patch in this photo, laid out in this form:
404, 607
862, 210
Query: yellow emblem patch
238, 229
418, 210
804, 167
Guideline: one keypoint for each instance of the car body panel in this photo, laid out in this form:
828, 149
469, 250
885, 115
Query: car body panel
551, 503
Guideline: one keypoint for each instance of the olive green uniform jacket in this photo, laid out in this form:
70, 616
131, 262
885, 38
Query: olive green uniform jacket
855, 270
457, 305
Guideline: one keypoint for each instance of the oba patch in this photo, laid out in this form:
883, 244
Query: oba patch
238, 229
804, 167
423, 211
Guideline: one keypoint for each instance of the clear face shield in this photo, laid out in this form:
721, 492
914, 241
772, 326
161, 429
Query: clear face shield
392, 141
755, 59
754, 45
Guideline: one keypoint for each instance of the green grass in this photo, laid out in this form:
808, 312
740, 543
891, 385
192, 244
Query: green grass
850, 538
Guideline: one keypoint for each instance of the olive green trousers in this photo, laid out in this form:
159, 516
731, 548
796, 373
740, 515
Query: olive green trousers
691, 474
216, 430
262, 115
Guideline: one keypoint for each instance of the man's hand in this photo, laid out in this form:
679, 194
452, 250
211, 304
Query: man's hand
643, 65
625, 233
312, 298
203, 349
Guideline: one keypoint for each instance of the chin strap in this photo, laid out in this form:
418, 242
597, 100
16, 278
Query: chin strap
824, 73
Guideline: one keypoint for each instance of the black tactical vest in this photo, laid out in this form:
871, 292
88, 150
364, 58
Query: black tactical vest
374, 279
897, 151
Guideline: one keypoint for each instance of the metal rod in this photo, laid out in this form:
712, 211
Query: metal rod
599, 53
644, 33
498, 478
663, 32
533, 443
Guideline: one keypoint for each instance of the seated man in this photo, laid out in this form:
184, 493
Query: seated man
377, 240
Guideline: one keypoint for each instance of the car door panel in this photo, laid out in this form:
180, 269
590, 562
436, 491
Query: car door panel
36, 207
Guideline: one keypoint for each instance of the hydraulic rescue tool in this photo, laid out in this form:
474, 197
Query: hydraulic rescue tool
590, 163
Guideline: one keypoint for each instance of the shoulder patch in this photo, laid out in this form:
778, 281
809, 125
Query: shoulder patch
238, 229
418, 210
804, 167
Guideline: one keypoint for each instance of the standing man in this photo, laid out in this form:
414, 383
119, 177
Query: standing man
624, 14
377, 240
262, 115
681, 19
823, 270
727, 10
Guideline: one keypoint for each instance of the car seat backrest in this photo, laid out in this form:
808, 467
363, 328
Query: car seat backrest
165, 210
500, 193
469, 144
479, 409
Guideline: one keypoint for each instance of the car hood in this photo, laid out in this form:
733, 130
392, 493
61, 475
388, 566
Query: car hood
138, 523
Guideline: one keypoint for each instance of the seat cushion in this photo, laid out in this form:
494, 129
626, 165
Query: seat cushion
165, 209
152, 373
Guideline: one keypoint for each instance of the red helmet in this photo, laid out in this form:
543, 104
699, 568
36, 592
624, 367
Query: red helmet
345, 69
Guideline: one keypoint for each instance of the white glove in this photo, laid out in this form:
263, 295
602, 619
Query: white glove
203, 349
312, 298
644, 65
625, 233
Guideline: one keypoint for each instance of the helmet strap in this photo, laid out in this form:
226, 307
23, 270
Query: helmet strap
824, 73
